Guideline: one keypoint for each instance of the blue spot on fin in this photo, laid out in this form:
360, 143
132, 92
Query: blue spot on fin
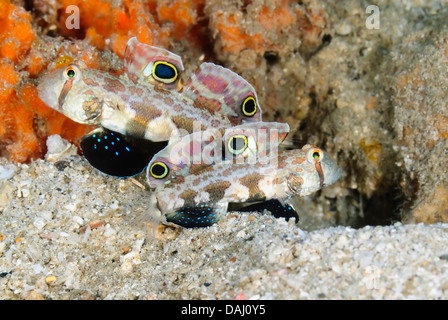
124, 157
277, 209
197, 217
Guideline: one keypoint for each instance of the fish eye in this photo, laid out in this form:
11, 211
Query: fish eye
159, 170
315, 155
237, 144
164, 72
249, 106
70, 73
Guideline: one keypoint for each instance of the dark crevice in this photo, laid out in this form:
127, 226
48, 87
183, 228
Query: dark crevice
380, 210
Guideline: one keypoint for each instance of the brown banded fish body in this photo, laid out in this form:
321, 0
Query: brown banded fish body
201, 198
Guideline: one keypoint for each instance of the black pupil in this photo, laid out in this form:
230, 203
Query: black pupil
70, 73
164, 71
238, 144
158, 170
249, 106
316, 155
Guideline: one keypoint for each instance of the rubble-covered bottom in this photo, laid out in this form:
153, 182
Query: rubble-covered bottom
69, 232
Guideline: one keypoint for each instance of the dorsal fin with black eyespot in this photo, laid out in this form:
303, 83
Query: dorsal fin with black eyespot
184, 156
153, 65
197, 151
219, 89
254, 139
211, 87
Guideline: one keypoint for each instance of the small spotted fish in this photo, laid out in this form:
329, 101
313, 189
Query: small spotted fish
149, 101
192, 153
201, 198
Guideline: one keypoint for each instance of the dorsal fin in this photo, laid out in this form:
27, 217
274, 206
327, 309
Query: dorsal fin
262, 138
194, 152
219, 89
154, 65
211, 86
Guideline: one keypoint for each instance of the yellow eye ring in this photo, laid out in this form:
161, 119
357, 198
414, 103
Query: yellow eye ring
159, 170
71, 73
164, 72
315, 155
233, 144
249, 106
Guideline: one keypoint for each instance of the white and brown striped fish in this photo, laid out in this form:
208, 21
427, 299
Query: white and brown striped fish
200, 198
149, 101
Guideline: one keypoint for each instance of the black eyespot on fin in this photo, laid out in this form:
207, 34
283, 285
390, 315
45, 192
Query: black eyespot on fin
165, 72
159, 170
237, 144
196, 217
249, 106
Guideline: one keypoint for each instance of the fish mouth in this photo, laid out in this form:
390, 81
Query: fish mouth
332, 172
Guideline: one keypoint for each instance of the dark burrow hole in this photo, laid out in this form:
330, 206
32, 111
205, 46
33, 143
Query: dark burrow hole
384, 207
380, 210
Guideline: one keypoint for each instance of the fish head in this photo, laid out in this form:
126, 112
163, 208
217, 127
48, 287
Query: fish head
310, 169
64, 90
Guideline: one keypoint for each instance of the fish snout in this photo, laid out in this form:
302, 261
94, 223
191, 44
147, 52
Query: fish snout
49, 89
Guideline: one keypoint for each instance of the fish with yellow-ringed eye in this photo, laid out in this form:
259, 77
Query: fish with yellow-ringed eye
201, 198
202, 174
139, 111
149, 101
249, 106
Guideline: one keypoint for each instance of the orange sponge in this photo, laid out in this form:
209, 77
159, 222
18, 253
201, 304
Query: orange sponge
16, 33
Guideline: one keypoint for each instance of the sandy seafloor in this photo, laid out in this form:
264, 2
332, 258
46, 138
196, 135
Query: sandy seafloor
70, 232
